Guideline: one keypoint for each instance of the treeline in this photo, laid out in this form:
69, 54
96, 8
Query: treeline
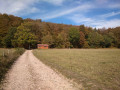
27, 33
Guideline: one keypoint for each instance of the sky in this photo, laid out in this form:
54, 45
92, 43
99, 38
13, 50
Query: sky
94, 13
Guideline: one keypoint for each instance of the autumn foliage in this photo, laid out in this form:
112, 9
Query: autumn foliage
27, 33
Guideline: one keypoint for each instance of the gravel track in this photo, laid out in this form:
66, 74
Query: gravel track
29, 73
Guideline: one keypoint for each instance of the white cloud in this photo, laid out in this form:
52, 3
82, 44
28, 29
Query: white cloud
17, 6
77, 18
81, 9
108, 4
110, 14
23, 7
107, 23
55, 2
57, 13
95, 22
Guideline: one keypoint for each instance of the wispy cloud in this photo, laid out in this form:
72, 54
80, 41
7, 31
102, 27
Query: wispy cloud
57, 13
95, 22
110, 14
55, 2
107, 23
111, 4
17, 6
22, 7
77, 18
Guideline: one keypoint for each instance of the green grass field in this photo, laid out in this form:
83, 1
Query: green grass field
95, 69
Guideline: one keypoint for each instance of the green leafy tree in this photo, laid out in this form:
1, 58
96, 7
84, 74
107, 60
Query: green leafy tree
6, 22
23, 37
116, 32
108, 41
74, 36
7, 41
95, 40
62, 40
48, 39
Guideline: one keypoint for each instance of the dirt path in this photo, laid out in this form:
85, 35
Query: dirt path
29, 73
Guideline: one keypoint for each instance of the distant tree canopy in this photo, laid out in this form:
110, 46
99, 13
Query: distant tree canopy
27, 33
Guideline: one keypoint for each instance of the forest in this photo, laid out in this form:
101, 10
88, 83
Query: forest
17, 32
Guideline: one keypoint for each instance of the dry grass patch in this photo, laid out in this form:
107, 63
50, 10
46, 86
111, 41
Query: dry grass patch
95, 69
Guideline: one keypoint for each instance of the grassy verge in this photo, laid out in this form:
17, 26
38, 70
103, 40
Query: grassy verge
7, 58
95, 69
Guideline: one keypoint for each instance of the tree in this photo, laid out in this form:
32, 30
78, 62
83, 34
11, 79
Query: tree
108, 41
116, 32
7, 41
82, 39
86, 45
24, 38
6, 22
62, 41
85, 30
74, 36
48, 39
82, 28
95, 40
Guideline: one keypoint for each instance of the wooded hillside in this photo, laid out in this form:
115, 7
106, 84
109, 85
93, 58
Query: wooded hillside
18, 32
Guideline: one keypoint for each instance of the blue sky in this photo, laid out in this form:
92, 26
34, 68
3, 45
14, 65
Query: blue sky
94, 13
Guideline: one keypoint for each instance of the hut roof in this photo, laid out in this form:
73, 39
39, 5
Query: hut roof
43, 45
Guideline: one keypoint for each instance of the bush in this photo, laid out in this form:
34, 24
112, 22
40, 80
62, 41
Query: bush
20, 50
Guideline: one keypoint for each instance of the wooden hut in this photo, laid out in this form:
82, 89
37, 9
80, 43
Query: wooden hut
42, 46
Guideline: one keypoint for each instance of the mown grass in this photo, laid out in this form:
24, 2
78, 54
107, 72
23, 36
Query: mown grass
95, 69
7, 58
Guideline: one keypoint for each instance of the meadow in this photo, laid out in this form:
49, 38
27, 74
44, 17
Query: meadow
94, 69
7, 58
